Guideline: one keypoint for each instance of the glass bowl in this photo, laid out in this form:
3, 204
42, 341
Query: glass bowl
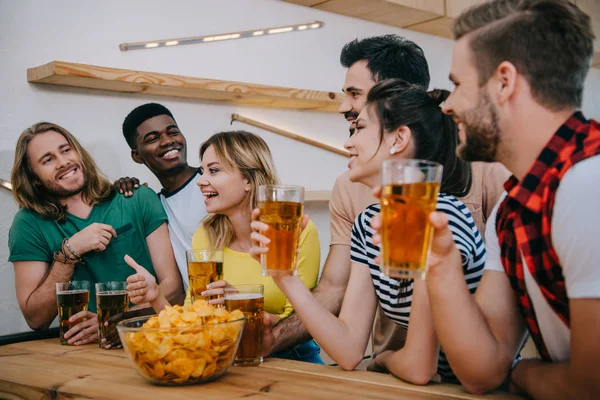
181, 355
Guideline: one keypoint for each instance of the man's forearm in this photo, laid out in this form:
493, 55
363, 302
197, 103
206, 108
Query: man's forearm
541, 380
462, 329
291, 331
40, 308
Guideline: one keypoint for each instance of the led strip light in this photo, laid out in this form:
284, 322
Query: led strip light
152, 44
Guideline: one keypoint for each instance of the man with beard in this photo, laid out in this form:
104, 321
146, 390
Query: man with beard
519, 68
369, 61
157, 142
73, 226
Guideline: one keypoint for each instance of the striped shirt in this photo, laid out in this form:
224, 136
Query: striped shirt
395, 296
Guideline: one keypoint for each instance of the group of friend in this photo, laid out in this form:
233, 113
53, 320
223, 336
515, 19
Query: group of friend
513, 252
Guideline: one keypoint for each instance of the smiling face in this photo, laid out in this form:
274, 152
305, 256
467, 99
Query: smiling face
160, 145
225, 189
472, 109
366, 153
357, 84
55, 163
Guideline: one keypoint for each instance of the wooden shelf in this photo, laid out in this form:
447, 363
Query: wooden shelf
427, 16
317, 195
154, 83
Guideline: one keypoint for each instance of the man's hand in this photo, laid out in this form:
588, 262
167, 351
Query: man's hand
86, 330
127, 185
94, 237
270, 321
112, 340
141, 287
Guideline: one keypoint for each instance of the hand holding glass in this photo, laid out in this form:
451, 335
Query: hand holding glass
408, 195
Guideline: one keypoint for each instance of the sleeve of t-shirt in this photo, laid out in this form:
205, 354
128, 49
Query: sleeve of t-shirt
493, 261
576, 228
493, 188
309, 262
358, 246
152, 211
25, 240
340, 221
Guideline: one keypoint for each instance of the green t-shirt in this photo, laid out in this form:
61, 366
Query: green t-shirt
35, 238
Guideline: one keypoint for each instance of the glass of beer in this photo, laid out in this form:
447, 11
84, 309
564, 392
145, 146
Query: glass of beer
281, 207
72, 297
250, 300
204, 266
111, 299
408, 195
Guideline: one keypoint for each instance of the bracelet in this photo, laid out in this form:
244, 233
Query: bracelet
62, 258
66, 243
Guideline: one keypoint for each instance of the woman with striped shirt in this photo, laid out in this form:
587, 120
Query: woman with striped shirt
399, 121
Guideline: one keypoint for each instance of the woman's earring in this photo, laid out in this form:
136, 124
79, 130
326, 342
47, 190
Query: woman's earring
392, 151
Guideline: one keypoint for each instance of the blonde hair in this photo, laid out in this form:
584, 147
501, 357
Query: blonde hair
28, 191
249, 154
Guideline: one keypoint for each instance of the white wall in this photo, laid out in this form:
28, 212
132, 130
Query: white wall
36, 32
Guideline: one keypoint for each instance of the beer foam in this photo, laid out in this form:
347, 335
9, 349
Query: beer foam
243, 296
112, 292
79, 291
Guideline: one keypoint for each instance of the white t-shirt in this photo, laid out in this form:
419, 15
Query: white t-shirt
575, 231
185, 209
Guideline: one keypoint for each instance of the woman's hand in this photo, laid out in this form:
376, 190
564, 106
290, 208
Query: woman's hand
259, 241
216, 292
141, 286
86, 328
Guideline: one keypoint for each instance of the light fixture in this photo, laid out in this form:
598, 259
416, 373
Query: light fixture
151, 44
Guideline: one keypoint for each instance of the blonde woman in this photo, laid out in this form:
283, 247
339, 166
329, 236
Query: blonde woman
233, 165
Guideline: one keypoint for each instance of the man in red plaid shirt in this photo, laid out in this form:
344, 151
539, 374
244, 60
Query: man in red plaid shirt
519, 68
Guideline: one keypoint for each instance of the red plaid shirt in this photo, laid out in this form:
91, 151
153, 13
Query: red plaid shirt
524, 222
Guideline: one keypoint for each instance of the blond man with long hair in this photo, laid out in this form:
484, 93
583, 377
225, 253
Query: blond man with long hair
234, 165
73, 226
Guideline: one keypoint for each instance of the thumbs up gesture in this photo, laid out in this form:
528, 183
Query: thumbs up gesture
141, 286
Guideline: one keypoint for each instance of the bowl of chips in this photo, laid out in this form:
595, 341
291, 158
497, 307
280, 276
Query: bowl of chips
183, 345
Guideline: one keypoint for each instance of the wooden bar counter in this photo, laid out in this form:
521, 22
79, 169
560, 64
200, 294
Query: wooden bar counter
44, 369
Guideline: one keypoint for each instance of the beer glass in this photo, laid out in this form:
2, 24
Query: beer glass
72, 297
204, 266
251, 301
281, 207
408, 195
111, 299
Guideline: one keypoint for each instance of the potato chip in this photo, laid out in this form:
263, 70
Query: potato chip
185, 344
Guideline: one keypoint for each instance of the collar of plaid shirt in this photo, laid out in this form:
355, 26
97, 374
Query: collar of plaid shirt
525, 218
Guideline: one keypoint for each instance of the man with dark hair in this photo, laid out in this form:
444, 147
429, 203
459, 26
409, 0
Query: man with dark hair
156, 141
368, 61
519, 68
72, 226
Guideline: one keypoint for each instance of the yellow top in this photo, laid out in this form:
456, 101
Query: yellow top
240, 268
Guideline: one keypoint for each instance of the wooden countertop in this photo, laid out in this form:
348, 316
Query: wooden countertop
45, 369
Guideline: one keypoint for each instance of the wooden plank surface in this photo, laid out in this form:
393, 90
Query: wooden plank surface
290, 135
398, 13
160, 84
45, 369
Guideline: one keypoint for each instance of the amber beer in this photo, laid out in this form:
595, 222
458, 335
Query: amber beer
408, 195
204, 266
71, 297
281, 207
250, 300
111, 299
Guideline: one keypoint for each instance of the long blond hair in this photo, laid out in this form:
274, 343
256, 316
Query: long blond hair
31, 195
251, 156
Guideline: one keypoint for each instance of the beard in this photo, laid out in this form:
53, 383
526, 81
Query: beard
482, 131
57, 191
